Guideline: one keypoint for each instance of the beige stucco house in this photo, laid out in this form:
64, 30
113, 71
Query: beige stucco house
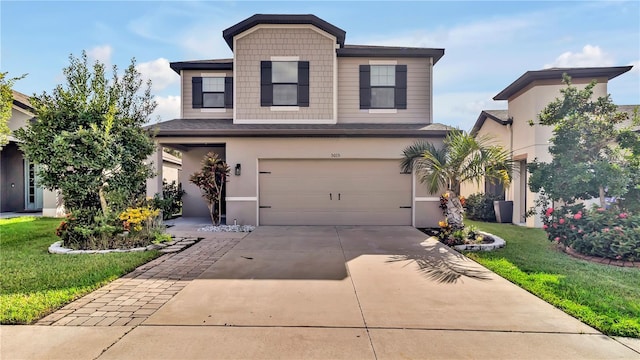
312, 128
526, 97
19, 188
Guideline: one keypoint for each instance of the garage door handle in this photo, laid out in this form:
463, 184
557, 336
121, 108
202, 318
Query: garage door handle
330, 197
338, 196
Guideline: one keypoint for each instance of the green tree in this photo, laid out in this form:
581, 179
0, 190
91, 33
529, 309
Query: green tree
587, 160
211, 179
462, 158
90, 141
6, 104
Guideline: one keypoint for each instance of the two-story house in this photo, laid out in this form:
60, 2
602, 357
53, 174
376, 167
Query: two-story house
526, 97
312, 128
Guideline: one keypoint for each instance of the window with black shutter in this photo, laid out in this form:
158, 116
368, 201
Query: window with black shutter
212, 92
284, 83
383, 86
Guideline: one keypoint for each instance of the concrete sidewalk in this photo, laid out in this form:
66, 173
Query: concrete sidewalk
335, 292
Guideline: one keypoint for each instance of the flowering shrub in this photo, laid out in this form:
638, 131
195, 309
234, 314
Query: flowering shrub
138, 218
600, 232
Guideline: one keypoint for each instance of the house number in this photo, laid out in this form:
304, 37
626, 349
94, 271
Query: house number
335, 155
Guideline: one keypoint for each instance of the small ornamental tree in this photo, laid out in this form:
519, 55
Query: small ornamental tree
587, 161
462, 158
211, 180
6, 104
91, 145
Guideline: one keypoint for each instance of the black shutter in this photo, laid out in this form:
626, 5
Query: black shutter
303, 83
196, 93
401, 86
228, 92
365, 86
266, 87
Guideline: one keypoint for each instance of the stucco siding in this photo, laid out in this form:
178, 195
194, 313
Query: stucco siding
419, 84
306, 44
188, 112
243, 191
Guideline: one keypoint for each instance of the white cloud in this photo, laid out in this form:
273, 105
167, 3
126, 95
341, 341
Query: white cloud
168, 108
101, 53
590, 56
159, 72
461, 109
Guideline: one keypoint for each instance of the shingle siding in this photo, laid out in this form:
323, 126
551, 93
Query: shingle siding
261, 45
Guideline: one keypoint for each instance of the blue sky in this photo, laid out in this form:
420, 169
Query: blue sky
487, 44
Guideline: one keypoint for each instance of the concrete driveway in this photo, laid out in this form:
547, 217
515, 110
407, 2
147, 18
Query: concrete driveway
329, 292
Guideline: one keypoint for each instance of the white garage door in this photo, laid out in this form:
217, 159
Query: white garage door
334, 192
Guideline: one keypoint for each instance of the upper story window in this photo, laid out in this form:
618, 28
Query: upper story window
383, 86
284, 83
212, 92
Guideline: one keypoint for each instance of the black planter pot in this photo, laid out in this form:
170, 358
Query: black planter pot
504, 211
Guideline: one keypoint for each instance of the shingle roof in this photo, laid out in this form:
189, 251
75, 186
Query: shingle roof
389, 51
499, 116
22, 101
226, 127
212, 64
556, 73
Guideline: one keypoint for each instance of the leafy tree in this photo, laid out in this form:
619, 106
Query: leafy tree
462, 158
587, 160
211, 179
6, 104
90, 143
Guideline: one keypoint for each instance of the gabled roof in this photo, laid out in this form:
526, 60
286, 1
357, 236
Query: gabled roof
556, 73
389, 51
257, 19
22, 101
226, 127
499, 116
213, 64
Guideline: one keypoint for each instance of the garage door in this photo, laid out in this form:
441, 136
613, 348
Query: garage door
334, 192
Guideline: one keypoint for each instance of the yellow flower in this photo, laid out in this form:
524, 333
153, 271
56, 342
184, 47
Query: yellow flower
442, 223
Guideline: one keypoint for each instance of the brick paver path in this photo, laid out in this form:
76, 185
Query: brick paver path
133, 298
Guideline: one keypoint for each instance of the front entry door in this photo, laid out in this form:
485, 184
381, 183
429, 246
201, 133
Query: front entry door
32, 192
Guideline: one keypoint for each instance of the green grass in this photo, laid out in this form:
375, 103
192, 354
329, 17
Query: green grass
605, 297
34, 283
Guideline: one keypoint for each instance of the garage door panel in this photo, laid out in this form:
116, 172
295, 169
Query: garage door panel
334, 192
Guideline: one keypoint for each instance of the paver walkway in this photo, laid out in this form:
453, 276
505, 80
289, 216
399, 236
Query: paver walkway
133, 298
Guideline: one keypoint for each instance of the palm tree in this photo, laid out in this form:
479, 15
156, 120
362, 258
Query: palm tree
462, 158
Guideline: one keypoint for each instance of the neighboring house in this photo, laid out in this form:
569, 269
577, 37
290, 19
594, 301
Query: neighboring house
19, 189
526, 98
171, 168
313, 129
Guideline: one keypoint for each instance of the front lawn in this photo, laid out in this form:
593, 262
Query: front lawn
605, 297
34, 283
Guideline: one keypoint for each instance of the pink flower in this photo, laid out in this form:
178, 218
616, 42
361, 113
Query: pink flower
605, 229
549, 212
600, 209
573, 227
561, 221
579, 231
557, 238
623, 215
545, 226
578, 216
555, 226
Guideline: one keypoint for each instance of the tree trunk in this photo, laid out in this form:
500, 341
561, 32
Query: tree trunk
103, 201
455, 211
210, 207
603, 203
220, 203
